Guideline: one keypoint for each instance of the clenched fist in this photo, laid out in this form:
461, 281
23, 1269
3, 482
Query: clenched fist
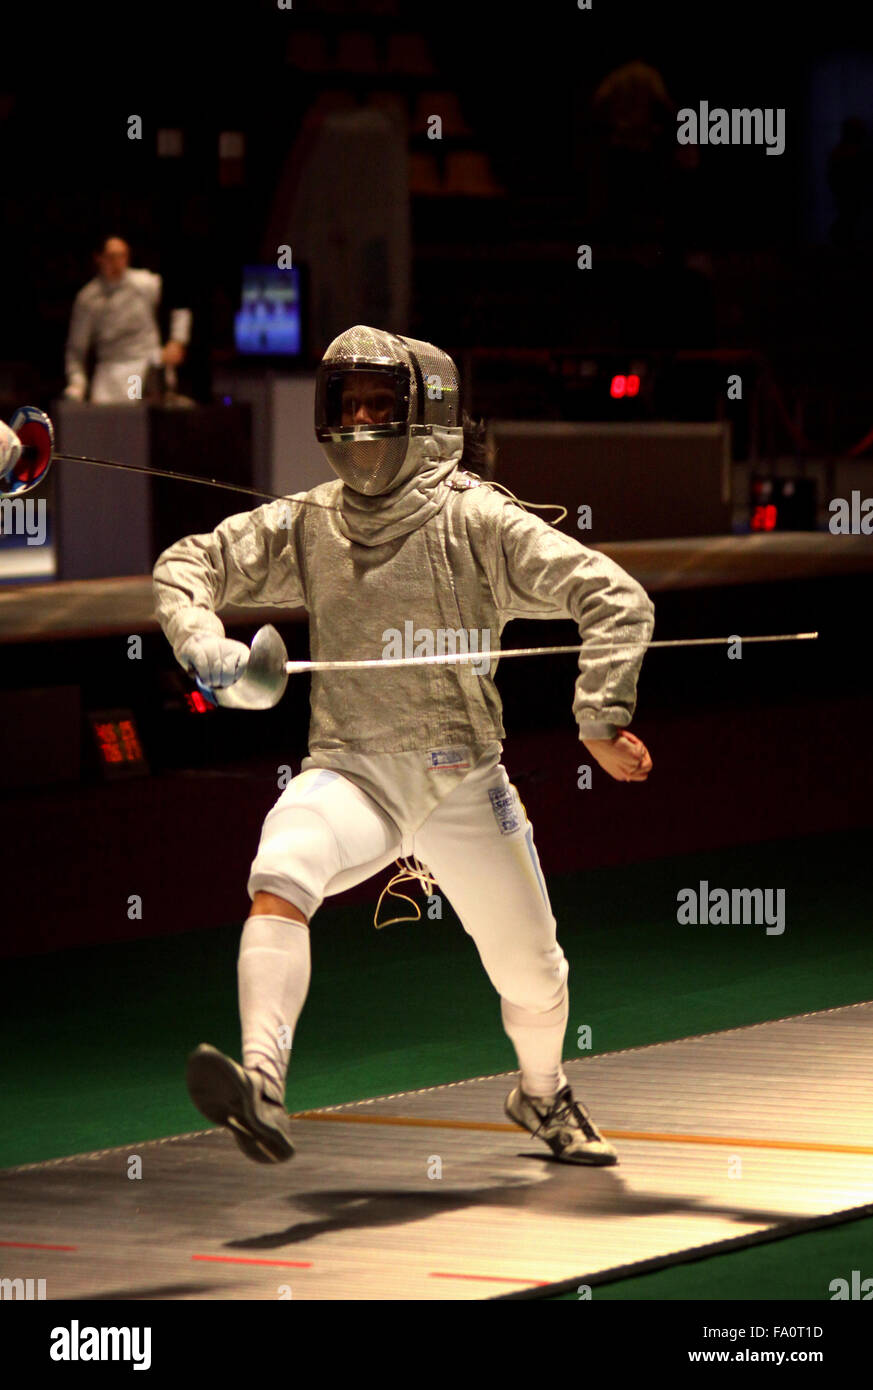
173, 354
218, 661
625, 757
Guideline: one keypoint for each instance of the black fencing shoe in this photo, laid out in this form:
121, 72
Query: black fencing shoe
230, 1096
564, 1124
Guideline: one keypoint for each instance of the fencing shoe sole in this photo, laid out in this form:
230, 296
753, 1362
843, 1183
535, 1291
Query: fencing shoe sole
228, 1095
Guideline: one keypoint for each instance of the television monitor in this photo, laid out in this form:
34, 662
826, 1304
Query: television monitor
269, 322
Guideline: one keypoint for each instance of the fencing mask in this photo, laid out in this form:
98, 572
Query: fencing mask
374, 392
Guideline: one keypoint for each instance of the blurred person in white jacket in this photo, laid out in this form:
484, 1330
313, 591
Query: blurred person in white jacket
116, 314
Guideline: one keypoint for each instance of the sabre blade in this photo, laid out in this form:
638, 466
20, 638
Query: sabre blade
178, 477
183, 478
38, 454
297, 667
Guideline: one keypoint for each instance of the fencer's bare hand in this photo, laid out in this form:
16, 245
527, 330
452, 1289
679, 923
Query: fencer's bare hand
625, 757
218, 661
173, 354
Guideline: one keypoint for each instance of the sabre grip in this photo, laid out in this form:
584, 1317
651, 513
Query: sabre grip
214, 662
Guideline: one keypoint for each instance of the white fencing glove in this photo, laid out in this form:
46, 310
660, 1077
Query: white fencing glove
10, 449
216, 661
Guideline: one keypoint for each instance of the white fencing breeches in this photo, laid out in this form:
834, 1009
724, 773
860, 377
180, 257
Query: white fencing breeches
113, 383
325, 835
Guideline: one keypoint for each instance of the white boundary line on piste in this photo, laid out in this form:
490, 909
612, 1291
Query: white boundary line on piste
135, 1146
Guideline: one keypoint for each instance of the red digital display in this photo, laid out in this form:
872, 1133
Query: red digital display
119, 743
765, 517
624, 386
119, 749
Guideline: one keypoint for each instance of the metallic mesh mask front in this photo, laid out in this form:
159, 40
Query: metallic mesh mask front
374, 392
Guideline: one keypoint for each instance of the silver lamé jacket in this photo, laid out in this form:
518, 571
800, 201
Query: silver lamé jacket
444, 551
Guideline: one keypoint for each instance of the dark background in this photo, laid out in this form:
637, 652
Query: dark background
743, 251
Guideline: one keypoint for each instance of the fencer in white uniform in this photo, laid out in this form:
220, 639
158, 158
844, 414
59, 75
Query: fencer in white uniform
404, 761
116, 315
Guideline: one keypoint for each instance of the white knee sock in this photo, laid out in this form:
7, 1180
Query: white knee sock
538, 1040
273, 972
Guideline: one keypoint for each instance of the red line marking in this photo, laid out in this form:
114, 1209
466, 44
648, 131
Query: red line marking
30, 1245
235, 1260
494, 1278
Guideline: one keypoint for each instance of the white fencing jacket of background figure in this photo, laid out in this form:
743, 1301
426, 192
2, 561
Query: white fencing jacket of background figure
438, 553
119, 319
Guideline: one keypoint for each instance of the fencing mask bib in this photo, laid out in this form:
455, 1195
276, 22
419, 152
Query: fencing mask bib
374, 392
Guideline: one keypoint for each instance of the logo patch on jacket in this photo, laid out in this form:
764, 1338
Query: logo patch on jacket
441, 759
505, 810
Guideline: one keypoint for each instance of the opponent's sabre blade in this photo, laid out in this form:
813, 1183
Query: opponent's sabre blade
166, 473
30, 453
